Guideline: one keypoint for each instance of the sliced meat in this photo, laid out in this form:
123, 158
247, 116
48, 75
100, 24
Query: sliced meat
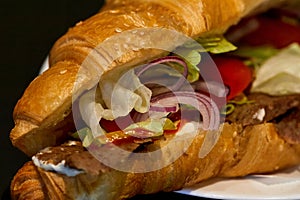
289, 126
54, 155
284, 111
264, 108
74, 155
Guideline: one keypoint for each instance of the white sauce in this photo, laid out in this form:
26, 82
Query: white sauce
260, 114
60, 168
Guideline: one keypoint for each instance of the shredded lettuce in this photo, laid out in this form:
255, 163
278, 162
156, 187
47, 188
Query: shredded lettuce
191, 52
86, 135
192, 59
124, 95
255, 56
91, 111
117, 99
231, 105
156, 126
280, 74
216, 45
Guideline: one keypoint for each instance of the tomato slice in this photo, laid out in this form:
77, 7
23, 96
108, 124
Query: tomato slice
117, 124
235, 74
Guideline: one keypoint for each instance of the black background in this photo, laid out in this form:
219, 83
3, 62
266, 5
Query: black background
28, 29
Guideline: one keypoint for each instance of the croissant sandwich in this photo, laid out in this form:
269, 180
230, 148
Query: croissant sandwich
157, 95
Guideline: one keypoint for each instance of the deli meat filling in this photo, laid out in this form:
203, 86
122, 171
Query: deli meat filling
284, 111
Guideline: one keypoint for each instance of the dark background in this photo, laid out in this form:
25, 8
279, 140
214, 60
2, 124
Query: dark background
28, 29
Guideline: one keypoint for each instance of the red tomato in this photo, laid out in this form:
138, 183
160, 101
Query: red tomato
273, 32
117, 124
235, 74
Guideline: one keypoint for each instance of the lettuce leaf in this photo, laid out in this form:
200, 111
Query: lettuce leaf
191, 52
192, 58
85, 134
123, 95
216, 45
117, 99
255, 56
280, 74
156, 126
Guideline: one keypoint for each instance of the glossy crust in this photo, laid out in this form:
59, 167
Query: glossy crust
40, 113
28, 184
239, 152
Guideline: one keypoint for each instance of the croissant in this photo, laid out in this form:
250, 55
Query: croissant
44, 117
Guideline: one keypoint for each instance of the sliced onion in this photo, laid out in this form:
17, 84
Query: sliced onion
211, 87
138, 117
164, 108
206, 106
166, 59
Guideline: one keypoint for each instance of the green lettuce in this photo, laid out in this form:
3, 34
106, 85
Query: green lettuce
156, 126
191, 52
280, 74
255, 56
118, 98
216, 45
86, 135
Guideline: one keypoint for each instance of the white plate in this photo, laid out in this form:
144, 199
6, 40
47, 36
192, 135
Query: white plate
283, 185
45, 65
